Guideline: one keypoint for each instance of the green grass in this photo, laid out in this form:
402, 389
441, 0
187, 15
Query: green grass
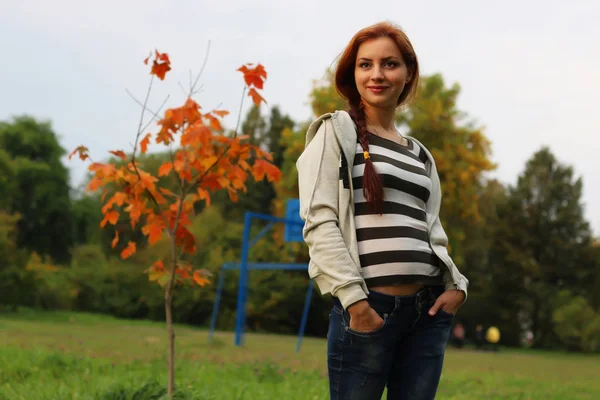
57, 355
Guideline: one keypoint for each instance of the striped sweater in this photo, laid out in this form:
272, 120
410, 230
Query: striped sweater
394, 246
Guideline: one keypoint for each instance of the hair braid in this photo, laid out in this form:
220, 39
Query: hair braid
372, 185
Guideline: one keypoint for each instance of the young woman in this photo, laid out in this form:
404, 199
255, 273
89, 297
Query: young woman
370, 199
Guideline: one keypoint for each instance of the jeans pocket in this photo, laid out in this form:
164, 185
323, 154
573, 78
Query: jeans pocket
346, 319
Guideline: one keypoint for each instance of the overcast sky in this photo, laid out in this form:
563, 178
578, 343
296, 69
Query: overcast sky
529, 70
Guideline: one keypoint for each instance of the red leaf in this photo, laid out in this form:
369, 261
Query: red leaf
145, 142
160, 70
162, 57
128, 251
256, 98
254, 76
186, 239
119, 153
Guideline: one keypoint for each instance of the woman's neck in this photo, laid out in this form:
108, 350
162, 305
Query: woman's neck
382, 118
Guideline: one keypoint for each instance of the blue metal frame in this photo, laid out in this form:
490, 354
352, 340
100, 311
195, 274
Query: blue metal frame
244, 267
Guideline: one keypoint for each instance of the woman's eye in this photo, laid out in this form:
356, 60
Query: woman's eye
364, 65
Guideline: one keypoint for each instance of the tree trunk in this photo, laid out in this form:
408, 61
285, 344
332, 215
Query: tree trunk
171, 333
169, 316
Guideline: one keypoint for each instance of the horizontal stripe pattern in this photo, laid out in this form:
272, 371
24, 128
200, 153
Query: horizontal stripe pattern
394, 246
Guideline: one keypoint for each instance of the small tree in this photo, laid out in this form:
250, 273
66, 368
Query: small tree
204, 161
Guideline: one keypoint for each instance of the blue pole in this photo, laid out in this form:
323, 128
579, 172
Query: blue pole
304, 316
243, 283
213, 319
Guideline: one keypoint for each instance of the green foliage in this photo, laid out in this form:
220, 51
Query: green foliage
538, 247
324, 97
577, 323
14, 279
40, 191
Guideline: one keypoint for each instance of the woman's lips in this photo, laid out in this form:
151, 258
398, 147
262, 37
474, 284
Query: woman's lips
377, 89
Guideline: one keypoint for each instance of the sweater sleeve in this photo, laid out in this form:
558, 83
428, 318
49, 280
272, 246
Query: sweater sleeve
440, 238
318, 182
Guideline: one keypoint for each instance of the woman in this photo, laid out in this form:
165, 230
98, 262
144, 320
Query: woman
370, 199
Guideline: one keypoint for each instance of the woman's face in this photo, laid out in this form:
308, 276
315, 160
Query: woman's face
380, 73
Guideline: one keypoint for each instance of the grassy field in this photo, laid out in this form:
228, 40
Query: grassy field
80, 356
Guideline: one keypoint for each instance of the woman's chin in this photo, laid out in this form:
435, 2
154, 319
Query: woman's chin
380, 103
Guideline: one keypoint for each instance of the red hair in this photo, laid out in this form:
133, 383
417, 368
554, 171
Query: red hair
346, 87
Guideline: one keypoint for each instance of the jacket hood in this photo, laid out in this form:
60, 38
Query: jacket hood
343, 129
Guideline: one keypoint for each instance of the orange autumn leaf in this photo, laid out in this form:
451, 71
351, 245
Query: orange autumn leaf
214, 122
183, 273
82, 151
118, 198
204, 195
115, 240
145, 142
191, 111
111, 217
256, 98
221, 113
200, 277
154, 230
166, 192
128, 251
119, 153
165, 169
262, 169
197, 134
164, 136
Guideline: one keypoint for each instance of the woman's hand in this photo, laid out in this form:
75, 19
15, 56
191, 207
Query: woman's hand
449, 301
363, 318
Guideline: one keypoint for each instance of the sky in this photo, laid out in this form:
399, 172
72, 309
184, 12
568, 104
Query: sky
529, 70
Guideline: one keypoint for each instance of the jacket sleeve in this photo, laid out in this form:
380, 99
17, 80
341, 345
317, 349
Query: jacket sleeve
318, 182
441, 239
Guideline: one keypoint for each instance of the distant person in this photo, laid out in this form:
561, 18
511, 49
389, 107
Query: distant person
529, 338
370, 199
492, 336
479, 337
458, 335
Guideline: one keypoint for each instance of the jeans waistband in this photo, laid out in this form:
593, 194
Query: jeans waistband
424, 296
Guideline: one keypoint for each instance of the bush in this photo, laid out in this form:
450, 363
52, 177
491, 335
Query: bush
577, 323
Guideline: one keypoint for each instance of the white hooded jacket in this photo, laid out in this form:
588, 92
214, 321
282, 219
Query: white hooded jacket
327, 208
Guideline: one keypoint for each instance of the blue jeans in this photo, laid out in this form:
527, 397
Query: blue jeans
406, 353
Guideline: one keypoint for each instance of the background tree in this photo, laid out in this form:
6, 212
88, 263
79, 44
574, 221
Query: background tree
539, 247
40, 192
324, 97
